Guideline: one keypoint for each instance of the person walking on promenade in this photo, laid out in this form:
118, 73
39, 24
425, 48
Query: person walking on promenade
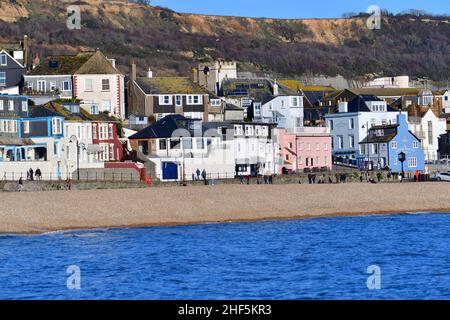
20, 185
204, 176
193, 176
31, 174
198, 173
38, 174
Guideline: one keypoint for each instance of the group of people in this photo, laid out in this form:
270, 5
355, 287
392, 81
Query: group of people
196, 175
32, 174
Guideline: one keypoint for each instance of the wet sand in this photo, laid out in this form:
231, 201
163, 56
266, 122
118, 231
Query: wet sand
39, 212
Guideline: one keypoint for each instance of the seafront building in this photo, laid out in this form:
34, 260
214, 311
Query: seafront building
179, 146
384, 144
351, 122
89, 77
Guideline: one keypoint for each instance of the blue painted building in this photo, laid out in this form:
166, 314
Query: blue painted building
24, 134
384, 143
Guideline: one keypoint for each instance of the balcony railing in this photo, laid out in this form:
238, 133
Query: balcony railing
310, 130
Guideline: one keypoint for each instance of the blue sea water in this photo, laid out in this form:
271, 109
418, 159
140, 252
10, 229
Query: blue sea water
322, 258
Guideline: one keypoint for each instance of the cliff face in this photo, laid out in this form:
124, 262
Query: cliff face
171, 42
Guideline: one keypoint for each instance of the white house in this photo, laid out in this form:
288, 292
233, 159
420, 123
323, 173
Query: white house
100, 86
178, 146
282, 108
428, 128
351, 123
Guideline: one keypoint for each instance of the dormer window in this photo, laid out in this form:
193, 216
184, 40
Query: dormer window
165, 100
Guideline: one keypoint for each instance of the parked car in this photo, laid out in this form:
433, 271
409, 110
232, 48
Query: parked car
443, 176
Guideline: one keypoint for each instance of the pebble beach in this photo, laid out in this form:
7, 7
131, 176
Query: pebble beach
41, 212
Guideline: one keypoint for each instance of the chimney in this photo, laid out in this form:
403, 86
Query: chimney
195, 75
36, 61
25, 51
113, 62
275, 88
149, 73
133, 71
343, 106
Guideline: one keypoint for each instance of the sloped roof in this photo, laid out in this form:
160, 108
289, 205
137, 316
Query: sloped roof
313, 97
170, 85
297, 85
81, 63
164, 127
97, 64
14, 141
387, 92
359, 104
61, 65
42, 111
388, 133
53, 109
260, 90
417, 111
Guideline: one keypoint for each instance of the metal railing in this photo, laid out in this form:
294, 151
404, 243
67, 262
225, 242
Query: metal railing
84, 176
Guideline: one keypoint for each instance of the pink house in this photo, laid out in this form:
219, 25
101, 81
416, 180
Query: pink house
304, 148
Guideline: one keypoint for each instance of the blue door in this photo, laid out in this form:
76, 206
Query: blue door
169, 171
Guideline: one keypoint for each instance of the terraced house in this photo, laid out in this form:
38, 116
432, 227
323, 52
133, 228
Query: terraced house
27, 139
157, 97
88, 76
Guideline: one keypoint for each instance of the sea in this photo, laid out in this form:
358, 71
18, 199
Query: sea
405, 256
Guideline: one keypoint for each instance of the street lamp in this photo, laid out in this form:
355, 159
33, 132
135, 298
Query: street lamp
402, 158
82, 145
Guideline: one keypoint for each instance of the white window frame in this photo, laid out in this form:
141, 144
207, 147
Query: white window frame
2, 78
56, 126
24, 106
10, 105
415, 144
412, 162
107, 84
394, 144
26, 126
3, 59
162, 100
88, 85
2, 105
191, 99
351, 141
178, 100
63, 84
106, 105
238, 130
111, 152
41, 86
